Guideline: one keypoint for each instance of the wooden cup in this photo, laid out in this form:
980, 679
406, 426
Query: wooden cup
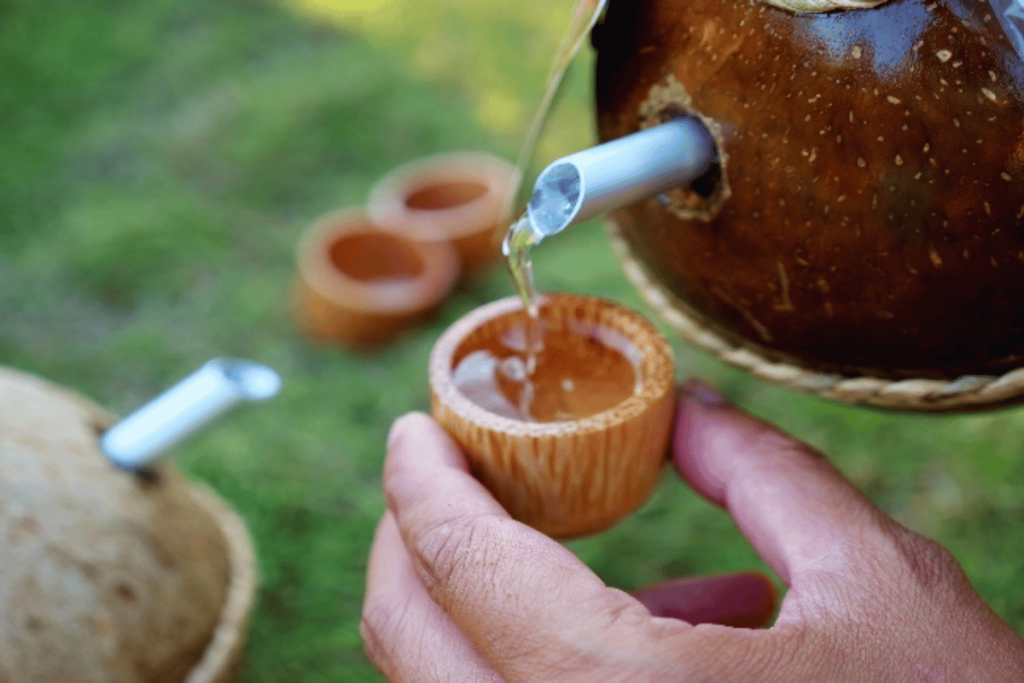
360, 286
572, 478
460, 197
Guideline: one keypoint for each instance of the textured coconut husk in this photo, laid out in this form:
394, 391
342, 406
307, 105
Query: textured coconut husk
966, 393
108, 576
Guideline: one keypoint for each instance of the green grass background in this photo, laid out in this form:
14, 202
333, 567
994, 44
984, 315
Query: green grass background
157, 163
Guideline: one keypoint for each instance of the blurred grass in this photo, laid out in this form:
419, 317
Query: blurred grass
158, 161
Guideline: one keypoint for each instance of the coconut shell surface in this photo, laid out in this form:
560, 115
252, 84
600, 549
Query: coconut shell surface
108, 577
867, 215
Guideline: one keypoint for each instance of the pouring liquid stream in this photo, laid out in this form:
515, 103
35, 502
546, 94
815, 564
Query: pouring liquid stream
521, 238
585, 16
518, 248
550, 343
547, 368
530, 372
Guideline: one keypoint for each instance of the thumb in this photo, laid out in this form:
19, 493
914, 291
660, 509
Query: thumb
794, 507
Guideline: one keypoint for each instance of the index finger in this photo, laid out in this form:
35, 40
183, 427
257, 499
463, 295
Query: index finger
524, 601
797, 510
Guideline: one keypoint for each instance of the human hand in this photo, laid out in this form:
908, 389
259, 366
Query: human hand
458, 591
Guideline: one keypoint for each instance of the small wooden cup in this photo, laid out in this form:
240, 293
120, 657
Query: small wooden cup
360, 286
566, 479
459, 197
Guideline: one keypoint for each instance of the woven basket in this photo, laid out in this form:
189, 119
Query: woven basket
963, 394
223, 656
218, 660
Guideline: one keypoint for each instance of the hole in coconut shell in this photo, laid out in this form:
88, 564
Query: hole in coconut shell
149, 477
706, 185
703, 198
125, 592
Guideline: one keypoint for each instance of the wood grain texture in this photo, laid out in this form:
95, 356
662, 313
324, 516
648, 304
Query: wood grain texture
108, 577
566, 479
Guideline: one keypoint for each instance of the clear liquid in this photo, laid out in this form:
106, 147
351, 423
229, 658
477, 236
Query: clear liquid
522, 370
521, 238
584, 16
518, 249
581, 370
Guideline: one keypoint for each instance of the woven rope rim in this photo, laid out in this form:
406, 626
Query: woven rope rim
219, 662
969, 392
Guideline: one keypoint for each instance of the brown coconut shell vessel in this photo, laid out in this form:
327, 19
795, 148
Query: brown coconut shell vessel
568, 478
108, 575
862, 236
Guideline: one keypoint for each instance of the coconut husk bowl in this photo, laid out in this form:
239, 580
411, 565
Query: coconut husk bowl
862, 234
564, 478
109, 576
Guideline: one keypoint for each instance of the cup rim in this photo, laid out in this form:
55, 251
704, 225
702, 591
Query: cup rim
438, 277
387, 206
657, 372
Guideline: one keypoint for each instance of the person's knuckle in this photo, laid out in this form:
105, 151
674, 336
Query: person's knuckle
623, 611
926, 562
453, 548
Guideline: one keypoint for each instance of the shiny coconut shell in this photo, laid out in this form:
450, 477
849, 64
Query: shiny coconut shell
867, 216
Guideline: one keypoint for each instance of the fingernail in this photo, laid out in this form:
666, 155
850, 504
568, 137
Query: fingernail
703, 393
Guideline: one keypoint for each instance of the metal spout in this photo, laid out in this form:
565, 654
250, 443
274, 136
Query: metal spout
619, 173
139, 439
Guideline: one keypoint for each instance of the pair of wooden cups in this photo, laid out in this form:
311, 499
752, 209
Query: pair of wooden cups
366, 274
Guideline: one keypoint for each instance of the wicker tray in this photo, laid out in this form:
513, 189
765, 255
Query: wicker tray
967, 393
223, 656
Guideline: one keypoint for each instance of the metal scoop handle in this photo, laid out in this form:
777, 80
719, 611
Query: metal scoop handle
619, 173
139, 439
